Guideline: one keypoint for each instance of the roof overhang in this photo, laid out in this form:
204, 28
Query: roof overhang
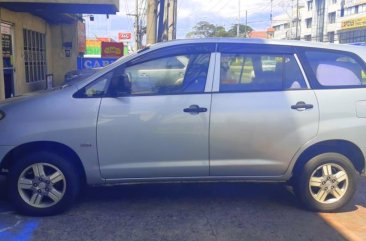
60, 10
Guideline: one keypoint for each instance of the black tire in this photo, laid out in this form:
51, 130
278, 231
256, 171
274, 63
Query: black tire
69, 172
302, 179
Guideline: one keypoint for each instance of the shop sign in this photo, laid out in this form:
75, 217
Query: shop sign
90, 63
353, 23
124, 36
7, 46
5, 29
112, 50
93, 47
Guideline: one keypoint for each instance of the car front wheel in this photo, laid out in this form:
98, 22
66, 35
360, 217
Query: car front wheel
327, 182
43, 184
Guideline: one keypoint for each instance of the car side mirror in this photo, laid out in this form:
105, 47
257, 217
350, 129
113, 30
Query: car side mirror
120, 86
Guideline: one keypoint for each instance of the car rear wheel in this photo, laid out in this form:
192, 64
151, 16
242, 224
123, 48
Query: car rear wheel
43, 184
326, 183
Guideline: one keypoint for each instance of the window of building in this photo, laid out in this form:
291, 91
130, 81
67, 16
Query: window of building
334, 1
332, 17
349, 11
334, 69
259, 72
353, 36
307, 37
308, 22
286, 25
362, 8
310, 5
331, 37
34, 56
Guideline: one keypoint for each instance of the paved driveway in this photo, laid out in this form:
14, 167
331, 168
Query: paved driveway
208, 211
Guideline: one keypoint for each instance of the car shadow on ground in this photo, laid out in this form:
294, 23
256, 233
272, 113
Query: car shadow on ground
186, 211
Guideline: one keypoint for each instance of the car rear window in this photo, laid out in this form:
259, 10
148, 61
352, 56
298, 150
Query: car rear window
336, 69
260, 72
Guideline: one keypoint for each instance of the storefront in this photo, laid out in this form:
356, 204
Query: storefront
42, 38
353, 31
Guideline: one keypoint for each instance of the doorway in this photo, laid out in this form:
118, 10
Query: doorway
7, 36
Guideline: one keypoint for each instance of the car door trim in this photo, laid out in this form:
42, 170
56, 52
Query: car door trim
302, 71
216, 79
210, 73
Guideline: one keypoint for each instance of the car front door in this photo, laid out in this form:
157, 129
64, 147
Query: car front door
155, 123
262, 112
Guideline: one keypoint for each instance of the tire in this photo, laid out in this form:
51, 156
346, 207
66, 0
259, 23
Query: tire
333, 182
42, 193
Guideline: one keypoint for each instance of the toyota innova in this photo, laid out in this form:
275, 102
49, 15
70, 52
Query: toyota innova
195, 110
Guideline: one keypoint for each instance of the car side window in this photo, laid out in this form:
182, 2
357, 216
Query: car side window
335, 69
167, 75
97, 88
260, 72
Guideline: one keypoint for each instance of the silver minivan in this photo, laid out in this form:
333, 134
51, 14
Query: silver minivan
195, 110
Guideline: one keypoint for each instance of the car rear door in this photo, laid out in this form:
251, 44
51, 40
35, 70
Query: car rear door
262, 112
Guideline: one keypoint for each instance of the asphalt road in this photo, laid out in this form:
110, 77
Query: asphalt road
205, 211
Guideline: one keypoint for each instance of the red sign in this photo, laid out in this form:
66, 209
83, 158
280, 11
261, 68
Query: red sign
124, 36
112, 50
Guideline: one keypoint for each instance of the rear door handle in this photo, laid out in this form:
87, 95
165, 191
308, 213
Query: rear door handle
195, 109
301, 105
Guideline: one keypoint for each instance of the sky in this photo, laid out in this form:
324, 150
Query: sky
219, 12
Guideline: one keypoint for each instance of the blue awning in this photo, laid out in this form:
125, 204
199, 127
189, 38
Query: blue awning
60, 12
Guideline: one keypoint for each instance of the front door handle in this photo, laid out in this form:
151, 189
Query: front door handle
301, 105
195, 109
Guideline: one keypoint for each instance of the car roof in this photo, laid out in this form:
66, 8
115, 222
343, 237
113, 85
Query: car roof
293, 43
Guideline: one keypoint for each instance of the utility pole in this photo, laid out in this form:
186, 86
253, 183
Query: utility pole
152, 8
161, 20
137, 26
297, 19
172, 19
238, 26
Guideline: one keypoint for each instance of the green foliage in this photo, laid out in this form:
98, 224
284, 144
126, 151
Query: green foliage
204, 29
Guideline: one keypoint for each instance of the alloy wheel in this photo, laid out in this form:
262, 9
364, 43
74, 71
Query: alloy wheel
42, 185
328, 183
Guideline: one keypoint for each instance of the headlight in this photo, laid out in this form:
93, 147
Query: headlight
2, 115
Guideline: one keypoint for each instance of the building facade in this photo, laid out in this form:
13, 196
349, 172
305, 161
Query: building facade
42, 39
334, 21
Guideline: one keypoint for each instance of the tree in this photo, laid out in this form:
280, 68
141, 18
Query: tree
244, 30
204, 29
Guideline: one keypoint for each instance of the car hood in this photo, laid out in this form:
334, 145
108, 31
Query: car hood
32, 95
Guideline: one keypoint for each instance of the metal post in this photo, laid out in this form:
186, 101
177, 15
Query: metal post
152, 6
161, 20
271, 16
238, 26
246, 23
